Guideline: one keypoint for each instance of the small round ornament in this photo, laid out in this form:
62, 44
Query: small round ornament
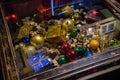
113, 43
88, 53
67, 9
30, 50
72, 55
74, 33
64, 47
78, 50
62, 60
67, 24
37, 39
76, 18
94, 44
21, 44
84, 49
26, 40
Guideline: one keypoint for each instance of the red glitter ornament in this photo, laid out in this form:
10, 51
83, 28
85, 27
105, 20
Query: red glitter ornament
94, 12
14, 16
71, 55
64, 48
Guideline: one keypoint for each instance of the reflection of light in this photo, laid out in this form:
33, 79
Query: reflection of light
52, 7
90, 30
94, 12
13, 16
7, 17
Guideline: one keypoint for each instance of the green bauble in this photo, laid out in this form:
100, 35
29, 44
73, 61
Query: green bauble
74, 33
62, 60
84, 49
113, 43
78, 50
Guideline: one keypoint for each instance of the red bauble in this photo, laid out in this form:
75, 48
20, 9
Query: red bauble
14, 16
64, 48
71, 55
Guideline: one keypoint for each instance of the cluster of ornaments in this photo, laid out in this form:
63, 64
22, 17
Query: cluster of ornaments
65, 38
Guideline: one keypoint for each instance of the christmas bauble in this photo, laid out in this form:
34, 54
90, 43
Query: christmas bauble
37, 39
76, 18
88, 53
78, 50
84, 49
67, 10
65, 47
21, 44
72, 55
113, 43
94, 44
62, 60
74, 33
26, 40
67, 24
30, 50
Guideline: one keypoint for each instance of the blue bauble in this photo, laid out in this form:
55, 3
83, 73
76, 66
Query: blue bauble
88, 53
26, 40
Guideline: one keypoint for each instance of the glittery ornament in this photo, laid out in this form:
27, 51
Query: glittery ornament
76, 18
94, 44
74, 33
78, 50
64, 47
37, 39
67, 10
62, 60
67, 24
30, 50
113, 43
23, 31
88, 53
26, 40
72, 55
21, 44
81, 51
84, 49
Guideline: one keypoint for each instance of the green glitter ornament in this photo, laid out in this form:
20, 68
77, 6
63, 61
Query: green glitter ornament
62, 60
113, 43
84, 49
74, 33
78, 50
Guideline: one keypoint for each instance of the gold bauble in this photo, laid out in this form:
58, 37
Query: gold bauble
76, 18
21, 44
37, 39
30, 50
67, 24
94, 44
68, 10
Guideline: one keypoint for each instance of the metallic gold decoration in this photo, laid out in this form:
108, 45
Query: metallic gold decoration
94, 44
67, 25
76, 18
29, 50
23, 31
53, 31
68, 10
37, 39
